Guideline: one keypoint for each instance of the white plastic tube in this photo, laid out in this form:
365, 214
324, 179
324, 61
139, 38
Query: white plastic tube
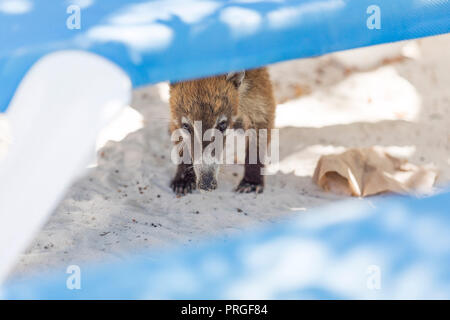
55, 116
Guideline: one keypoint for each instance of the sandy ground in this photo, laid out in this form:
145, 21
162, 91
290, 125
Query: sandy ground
395, 96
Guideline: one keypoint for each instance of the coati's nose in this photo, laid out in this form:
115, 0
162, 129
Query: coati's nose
207, 182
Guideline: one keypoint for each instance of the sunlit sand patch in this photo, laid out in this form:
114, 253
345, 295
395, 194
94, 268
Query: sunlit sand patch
303, 162
163, 90
129, 120
371, 96
5, 135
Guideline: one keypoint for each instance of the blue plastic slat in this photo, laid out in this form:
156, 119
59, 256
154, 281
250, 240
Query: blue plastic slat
200, 42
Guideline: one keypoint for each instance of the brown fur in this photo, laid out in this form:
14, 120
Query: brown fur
252, 105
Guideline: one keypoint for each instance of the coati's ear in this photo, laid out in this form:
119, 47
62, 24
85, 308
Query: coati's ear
236, 78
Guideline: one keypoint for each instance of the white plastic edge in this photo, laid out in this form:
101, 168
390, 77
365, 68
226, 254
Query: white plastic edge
62, 103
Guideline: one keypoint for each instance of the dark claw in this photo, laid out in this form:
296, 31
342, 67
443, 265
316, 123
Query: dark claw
248, 187
183, 187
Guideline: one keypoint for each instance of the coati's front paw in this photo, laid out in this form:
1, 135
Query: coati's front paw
182, 186
248, 187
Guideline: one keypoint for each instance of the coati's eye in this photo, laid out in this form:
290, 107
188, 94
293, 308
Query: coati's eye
186, 126
222, 126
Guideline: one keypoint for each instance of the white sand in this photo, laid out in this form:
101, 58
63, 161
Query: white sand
328, 104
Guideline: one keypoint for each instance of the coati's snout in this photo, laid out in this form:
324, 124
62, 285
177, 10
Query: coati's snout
206, 176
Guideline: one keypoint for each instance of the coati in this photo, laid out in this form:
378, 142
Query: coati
238, 99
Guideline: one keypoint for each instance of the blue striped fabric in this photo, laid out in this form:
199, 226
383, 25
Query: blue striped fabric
172, 40
396, 248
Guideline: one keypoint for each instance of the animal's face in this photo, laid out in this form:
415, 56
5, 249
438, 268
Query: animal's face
201, 105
